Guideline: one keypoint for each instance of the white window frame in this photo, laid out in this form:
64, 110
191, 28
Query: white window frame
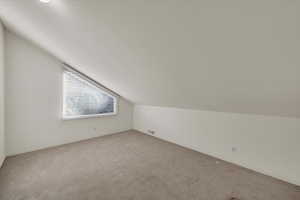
92, 83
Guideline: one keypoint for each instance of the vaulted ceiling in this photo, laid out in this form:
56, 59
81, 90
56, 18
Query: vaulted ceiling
231, 56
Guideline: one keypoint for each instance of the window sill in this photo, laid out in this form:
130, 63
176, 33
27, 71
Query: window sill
88, 116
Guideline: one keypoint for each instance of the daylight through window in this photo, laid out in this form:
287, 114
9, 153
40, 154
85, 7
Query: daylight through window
83, 98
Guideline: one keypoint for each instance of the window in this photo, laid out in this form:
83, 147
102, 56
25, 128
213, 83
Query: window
84, 98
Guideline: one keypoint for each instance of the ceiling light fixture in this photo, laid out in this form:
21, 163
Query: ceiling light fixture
45, 1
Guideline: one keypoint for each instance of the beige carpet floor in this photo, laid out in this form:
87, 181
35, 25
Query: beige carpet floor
132, 166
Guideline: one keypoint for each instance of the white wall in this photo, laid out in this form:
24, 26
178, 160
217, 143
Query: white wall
237, 56
33, 103
2, 147
266, 144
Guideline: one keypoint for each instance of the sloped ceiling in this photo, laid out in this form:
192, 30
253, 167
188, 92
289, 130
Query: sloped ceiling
232, 56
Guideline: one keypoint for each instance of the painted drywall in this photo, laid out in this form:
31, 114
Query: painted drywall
2, 112
224, 55
269, 145
34, 102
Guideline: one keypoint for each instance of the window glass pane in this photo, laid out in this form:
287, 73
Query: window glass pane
83, 98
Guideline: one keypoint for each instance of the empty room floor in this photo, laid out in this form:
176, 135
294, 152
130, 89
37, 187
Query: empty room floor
132, 166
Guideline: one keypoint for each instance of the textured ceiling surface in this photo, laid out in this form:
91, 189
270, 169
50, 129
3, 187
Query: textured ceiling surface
230, 56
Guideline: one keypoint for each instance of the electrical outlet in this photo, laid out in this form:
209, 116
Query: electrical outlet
151, 132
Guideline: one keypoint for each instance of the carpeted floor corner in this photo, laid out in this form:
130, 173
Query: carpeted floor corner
132, 166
